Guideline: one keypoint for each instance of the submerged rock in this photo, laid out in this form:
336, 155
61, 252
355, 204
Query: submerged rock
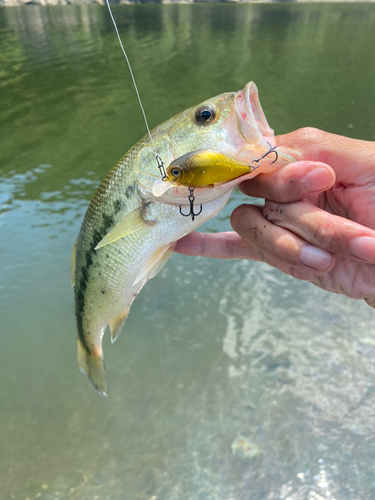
245, 448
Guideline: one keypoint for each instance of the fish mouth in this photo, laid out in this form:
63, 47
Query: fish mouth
251, 119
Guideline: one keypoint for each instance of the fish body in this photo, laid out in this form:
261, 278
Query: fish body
128, 233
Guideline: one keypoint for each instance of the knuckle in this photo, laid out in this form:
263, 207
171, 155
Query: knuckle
310, 134
285, 245
314, 138
325, 236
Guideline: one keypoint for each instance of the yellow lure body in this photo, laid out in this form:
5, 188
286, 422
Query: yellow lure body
204, 168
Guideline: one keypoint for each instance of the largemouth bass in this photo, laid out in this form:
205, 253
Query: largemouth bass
128, 234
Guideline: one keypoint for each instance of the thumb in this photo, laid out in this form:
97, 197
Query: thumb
352, 160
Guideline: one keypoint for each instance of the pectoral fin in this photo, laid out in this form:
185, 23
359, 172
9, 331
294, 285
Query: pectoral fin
117, 324
155, 263
73, 266
158, 266
131, 223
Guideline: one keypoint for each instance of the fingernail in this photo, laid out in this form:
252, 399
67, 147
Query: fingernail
317, 179
315, 257
364, 248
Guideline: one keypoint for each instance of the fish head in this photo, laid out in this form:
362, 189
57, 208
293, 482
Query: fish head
233, 123
203, 126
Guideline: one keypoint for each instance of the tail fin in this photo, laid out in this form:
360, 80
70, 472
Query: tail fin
93, 366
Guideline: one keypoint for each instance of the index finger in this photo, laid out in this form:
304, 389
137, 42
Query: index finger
227, 245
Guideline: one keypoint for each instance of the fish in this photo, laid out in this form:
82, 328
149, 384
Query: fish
128, 233
202, 168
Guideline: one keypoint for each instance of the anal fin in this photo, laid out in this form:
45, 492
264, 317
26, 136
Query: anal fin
117, 324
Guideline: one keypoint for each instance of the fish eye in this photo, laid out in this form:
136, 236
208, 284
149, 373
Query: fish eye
205, 114
175, 172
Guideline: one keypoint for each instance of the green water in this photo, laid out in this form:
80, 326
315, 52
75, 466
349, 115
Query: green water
214, 352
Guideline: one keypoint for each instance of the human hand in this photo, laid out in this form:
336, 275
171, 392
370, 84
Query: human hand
318, 220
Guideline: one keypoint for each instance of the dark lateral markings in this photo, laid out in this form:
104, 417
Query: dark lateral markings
119, 205
98, 235
131, 189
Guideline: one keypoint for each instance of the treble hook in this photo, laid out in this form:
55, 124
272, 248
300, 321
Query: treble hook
191, 199
255, 163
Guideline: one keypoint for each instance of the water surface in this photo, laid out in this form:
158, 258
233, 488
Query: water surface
231, 380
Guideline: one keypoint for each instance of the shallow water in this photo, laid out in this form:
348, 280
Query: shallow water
231, 381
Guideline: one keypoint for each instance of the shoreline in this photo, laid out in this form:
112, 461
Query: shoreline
46, 3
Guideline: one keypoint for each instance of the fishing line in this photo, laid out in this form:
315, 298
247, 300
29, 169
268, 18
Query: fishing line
131, 74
